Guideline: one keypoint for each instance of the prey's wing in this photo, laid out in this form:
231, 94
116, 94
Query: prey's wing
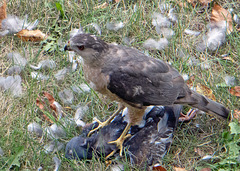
141, 80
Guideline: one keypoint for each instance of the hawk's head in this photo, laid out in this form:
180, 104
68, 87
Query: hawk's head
88, 46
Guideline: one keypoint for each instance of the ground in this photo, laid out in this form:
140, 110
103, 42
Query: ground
204, 135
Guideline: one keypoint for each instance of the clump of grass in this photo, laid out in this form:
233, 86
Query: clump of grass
203, 132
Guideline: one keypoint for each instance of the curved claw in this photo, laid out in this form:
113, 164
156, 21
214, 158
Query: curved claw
100, 125
119, 143
105, 123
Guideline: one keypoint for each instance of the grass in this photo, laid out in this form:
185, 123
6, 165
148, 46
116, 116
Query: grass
23, 151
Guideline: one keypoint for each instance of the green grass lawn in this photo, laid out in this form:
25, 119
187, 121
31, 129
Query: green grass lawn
204, 135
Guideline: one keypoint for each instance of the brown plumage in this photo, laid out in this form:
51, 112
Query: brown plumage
135, 80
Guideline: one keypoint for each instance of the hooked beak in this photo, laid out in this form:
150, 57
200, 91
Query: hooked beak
67, 47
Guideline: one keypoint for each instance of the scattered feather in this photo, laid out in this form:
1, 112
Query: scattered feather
80, 123
75, 32
57, 162
153, 44
17, 59
1, 152
82, 88
158, 20
80, 112
115, 26
166, 32
214, 39
71, 55
55, 132
66, 96
12, 84
230, 81
191, 32
61, 74
12, 24
117, 167
35, 128
185, 77
236, 18
53, 146
39, 76
207, 157
96, 27
45, 64
74, 66
172, 16
14, 70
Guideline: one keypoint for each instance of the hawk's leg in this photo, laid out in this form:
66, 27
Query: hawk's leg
105, 123
190, 114
119, 142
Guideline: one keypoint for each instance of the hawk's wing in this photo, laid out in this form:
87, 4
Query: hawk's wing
141, 80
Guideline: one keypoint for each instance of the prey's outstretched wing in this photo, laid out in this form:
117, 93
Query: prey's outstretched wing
140, 80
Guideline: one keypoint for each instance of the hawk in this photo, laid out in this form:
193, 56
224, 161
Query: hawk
136, 81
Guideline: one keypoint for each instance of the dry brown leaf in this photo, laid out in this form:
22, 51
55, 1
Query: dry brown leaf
179, 169
3, 12
202, 89
31, 35
159, 168
221, 14
235, 91
42, 105
236, 115
102, 6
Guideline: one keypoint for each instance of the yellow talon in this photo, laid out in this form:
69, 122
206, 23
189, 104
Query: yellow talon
105, 123
119, 142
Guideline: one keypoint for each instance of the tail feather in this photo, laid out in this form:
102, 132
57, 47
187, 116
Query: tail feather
203, 103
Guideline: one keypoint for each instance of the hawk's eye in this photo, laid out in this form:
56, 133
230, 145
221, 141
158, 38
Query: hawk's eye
81, 47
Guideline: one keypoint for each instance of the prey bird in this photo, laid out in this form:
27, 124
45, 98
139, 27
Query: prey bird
136, 81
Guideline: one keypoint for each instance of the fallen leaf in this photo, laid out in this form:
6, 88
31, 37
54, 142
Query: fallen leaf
179, 169
3, 12
159, 168
235, 91
202, 89
49, 97
221, 14
41, 104
55, 106
31, 35
236, 115
102, 6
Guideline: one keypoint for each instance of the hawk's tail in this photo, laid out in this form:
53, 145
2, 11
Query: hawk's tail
203, 103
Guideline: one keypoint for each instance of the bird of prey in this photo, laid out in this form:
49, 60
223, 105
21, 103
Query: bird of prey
128, 76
